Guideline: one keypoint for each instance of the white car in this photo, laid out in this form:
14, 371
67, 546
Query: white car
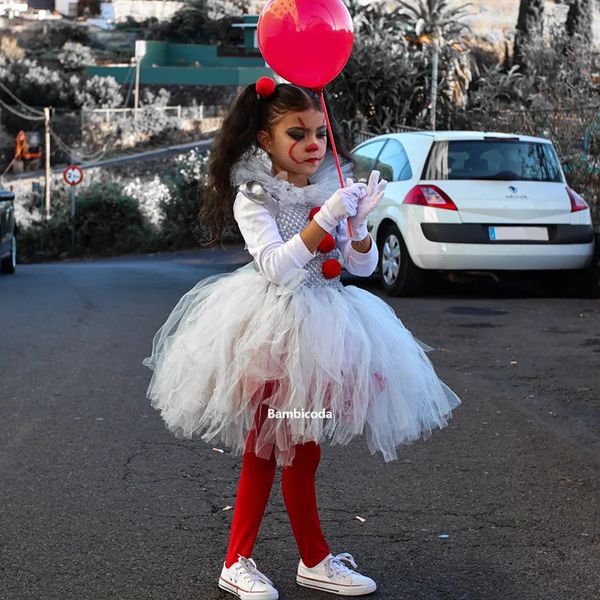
474, 201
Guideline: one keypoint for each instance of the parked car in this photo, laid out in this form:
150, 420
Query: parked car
474, 201
8, 233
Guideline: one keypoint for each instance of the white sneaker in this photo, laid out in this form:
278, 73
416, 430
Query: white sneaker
332, 575
244, 580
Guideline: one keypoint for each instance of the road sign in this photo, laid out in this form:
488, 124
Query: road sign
73, 175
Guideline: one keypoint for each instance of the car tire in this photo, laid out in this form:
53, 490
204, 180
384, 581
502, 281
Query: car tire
8, 264
585, 283
582, 283
398, 274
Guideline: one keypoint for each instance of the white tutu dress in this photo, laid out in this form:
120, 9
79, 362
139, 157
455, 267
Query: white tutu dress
335, 358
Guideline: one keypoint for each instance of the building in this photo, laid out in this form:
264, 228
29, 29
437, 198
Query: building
167, 63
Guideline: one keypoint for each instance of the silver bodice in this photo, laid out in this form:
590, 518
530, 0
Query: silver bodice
291, 218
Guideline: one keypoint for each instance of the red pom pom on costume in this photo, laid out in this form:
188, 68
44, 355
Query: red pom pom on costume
265, 86
331, 268
313, 212
327, 244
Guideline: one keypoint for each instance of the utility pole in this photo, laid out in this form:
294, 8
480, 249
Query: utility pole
136, 95
139, 53
47, 174
434, 78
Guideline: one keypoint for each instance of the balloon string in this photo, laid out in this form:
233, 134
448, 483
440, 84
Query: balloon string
335, 155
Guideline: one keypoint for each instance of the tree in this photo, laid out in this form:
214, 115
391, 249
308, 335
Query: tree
579, 19
434, 17
206, 22
75, 56
437, 23
530, 25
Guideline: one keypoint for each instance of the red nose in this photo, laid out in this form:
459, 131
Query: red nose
312, 148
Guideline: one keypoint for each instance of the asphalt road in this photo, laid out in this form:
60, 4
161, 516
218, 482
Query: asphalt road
99, 500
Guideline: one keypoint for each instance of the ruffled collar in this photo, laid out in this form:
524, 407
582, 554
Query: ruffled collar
256, 166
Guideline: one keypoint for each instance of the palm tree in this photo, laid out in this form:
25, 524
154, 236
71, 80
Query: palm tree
437, 23
530, 25
579, 19
434, 17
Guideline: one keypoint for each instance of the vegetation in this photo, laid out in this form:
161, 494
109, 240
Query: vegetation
549, 86
121, 214
198, 21
378, 91
546, 85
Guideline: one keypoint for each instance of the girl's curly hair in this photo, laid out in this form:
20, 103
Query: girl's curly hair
248, 115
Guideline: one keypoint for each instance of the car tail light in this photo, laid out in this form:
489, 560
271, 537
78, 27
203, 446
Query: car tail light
577, 201
429, 195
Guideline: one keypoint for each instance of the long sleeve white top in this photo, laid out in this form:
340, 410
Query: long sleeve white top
275, 258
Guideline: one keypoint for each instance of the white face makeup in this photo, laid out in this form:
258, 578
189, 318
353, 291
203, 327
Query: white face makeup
297, 144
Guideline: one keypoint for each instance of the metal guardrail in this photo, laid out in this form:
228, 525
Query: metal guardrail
198, 112
117, 160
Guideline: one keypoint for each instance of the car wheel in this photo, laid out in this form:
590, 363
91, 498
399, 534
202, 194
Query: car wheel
585, 283
8, 264
398, 274
581, 283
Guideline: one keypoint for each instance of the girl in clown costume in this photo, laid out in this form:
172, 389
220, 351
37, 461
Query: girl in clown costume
278, 356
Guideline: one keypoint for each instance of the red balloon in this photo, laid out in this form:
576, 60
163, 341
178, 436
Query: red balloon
307, 42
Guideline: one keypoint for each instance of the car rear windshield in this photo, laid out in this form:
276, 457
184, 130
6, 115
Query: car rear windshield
506, 160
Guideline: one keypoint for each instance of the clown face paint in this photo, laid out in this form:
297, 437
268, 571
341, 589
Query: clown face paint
297, 144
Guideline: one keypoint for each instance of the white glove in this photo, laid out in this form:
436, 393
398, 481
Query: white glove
340, 205
366, 204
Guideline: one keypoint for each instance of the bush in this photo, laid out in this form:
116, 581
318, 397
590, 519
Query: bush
32, 82
107, 222
110, 222
181, 226
147, 213
99, 92
38, 240
76, 56
67, 31
153, 122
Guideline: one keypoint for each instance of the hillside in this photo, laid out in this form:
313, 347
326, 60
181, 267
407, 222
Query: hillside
494, 18
497, 18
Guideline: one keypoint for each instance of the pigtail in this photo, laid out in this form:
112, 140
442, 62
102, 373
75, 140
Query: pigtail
236, 136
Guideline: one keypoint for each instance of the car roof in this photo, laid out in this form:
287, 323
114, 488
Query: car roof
455, 135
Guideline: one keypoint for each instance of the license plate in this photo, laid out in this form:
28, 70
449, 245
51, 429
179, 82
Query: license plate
518, 233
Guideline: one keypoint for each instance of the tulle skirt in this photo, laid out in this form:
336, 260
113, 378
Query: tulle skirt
337, 363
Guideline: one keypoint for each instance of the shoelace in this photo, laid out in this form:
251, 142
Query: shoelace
335, 565
250, 571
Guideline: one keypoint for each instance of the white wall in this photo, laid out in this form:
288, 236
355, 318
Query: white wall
66, 7
120, 9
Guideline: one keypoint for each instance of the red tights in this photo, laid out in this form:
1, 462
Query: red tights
299, 494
